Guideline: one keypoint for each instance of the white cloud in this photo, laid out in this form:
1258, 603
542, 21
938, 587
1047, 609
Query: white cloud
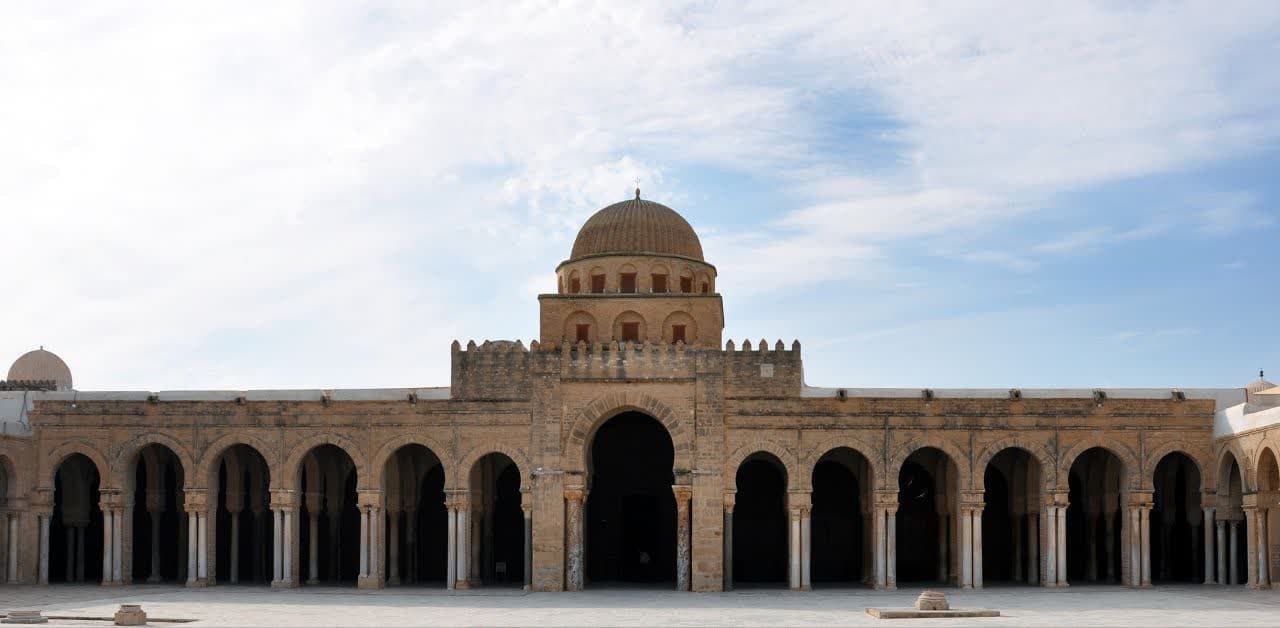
376, 177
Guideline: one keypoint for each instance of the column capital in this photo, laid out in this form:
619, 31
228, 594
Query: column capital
683, 493
370, 497
284, 499
885, 498
575, 495
730, 500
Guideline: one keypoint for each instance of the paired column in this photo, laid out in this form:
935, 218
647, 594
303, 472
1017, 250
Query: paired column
684, 568
884, 525
1054, 533
1251, 543
112, 539
155, 510
393, 546
43, 520
1233, 570
284, 517
196, 507
800, 507
371, 532
574, 498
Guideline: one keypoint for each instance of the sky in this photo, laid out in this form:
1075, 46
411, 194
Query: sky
327, 194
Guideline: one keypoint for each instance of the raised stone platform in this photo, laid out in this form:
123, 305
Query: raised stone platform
911, 613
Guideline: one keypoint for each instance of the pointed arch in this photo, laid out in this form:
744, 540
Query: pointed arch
594, 414
213, 454
785, 456
1037, 451
867, 447
959, 457
54, 459
1122, 452
288, 479
1196, 454
1232, 453
127, 452
468, 461
389, 447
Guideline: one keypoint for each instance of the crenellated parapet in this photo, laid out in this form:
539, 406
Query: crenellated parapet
763, 371
492, 370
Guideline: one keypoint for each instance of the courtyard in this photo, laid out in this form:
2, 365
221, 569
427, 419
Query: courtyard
1021, 606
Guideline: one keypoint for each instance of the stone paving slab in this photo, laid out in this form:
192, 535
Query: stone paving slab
1160, 607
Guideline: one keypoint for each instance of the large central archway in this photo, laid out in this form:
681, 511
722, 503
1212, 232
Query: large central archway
927, 538
631, 510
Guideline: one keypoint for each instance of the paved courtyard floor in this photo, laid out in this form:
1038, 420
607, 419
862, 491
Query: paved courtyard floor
243, 606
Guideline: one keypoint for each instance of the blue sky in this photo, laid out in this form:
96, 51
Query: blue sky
967, 194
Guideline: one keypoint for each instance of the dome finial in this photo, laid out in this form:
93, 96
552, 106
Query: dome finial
637, 189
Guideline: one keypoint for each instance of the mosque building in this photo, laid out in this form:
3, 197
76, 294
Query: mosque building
631, 443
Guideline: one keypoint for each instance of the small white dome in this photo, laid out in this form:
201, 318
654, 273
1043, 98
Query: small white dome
41, 366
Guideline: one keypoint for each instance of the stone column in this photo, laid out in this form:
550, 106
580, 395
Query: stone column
377, 527
966, 548
202, 549
526, 507
313, 546
1264, 581
451, 567
806, 545
411, 544
727, 553
71, 552
11, 554
277, 549
1144, 518
233, 566
944, 539
43, 521
1050, 546
1033, 548
1132, 517
1109, 537
155, 509
288, 557
1060, 538
793, 555
891, 545
117, 550
1233, 570
1251, 545
193, 547
1208, 545
108, 545
393, 547
1091, 546
1221, 553
977, 546
683, 495
364, 544
80, 532
574, 499
464, 544
1017, 546
335, 541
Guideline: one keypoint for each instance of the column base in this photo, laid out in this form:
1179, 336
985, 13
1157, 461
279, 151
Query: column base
526, 588
311, 581
369, 582
462, 585
886, 587
1055, 585
113, 583
197, 584
284, 584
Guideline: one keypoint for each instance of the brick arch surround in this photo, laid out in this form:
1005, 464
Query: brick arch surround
288, 479
869, 448
1195, 454
788, 458
958, 457
213, 453
1038, 452
1128, 460
1223, 483
126, 452
463, 473
50, 463
594, 414
377, 469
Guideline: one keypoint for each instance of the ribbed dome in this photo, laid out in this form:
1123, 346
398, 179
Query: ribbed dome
40, 366
1258, 385
637, 226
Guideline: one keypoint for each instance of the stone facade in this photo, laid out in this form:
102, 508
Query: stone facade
385, 487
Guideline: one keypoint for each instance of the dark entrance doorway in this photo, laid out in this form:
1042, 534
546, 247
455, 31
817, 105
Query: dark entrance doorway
760, 548
631, 511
